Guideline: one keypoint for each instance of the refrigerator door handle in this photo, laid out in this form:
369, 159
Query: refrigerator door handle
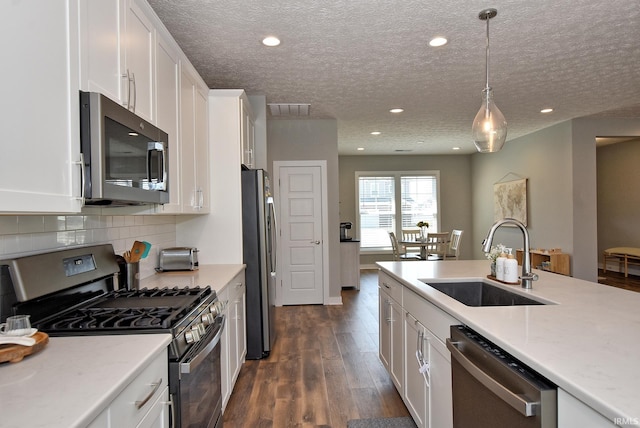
274, 241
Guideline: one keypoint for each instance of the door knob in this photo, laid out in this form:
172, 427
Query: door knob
315, 242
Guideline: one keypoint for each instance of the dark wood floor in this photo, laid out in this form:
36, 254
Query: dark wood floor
323, 371
615, 279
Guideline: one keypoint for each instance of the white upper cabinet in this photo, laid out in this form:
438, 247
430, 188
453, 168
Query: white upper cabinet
168, 108
194, 149
248, 135
128, 55
139, 43
117, 53
101, 28
40, 117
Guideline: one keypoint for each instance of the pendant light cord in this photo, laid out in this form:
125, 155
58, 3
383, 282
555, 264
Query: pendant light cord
487, 54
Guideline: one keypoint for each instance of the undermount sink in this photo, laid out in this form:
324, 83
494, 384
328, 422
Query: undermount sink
478, 293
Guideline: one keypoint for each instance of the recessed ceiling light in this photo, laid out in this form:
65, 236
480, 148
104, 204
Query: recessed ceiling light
438, 41
271, 41
360, 149
376, 133
456, 148
546, 110
419, 142
396, 110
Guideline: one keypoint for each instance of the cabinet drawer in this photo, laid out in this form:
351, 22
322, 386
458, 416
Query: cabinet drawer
138, 397
434, 318
392, 287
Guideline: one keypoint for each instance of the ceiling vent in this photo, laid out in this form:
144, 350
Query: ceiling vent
297, 110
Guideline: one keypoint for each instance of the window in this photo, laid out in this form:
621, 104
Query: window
392, 201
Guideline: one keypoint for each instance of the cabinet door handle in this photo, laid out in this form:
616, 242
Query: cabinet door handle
155, 385
127, 101
135, 97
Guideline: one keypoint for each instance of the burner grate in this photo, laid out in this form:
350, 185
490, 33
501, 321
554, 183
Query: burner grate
144, 309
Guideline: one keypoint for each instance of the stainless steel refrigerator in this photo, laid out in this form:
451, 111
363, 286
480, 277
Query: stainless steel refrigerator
259, 250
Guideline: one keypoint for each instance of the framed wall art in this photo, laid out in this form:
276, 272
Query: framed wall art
510, 200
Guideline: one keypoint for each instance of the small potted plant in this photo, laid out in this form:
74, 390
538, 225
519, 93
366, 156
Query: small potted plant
493, 254
423, 225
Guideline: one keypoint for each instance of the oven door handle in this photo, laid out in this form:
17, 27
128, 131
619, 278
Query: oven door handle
526, 408
193, 363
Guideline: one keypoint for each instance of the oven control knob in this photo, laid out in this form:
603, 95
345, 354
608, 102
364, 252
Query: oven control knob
201, 329
207, 319
192, 335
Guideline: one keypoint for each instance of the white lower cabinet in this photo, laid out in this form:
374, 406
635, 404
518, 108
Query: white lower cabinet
412, 336
427, 392
234, 343
143, 403
573, 413
416, 391
391, 341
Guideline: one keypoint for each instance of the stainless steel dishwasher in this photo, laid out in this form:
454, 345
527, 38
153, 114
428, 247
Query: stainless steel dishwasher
492, 389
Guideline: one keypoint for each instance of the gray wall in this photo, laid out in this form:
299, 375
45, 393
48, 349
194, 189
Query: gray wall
455, 190
560, 164
291, 140
544, 158
618, 196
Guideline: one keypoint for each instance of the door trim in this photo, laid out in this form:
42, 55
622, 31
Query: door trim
322, 164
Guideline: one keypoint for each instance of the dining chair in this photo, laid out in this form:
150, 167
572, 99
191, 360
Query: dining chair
454, 245
410, 234
437, 245
400, 252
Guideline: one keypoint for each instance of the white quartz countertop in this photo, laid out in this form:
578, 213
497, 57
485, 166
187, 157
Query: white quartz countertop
215, 276
587, 342
73, 379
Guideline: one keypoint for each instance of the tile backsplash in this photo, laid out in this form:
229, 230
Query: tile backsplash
29, 234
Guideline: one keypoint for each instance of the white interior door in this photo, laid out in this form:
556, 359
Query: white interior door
301, 245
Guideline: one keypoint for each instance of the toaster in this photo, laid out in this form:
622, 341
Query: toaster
178, 258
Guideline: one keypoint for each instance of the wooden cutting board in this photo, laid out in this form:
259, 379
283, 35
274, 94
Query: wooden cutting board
15, 353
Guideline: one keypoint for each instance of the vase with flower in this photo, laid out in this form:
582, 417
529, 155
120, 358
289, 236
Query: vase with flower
493, 254
423, 225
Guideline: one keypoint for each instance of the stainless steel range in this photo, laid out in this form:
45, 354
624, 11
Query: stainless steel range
75, 292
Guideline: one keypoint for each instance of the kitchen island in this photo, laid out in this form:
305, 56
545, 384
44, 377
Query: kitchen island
73, 380
584, 339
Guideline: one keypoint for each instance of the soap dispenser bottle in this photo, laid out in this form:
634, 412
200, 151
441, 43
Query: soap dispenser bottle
511, 269
500, 266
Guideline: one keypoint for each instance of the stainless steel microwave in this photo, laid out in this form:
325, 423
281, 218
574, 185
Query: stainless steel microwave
125, 158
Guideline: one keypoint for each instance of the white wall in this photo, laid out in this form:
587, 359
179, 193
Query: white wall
25, 235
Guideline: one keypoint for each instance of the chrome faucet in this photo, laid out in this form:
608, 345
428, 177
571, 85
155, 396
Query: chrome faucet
527, 276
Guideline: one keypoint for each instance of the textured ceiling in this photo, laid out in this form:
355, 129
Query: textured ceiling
354, 60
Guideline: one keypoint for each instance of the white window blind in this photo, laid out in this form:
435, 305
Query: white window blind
392, 201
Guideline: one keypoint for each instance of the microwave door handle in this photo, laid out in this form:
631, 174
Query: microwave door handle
155, 146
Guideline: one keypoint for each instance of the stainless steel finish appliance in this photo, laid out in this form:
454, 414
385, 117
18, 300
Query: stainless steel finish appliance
73, 292
493, 389
178, 258
259, 250
125, 158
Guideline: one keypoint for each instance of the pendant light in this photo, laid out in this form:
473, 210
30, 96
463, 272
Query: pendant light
489, 126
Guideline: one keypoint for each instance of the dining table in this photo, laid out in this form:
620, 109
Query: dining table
429, 250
